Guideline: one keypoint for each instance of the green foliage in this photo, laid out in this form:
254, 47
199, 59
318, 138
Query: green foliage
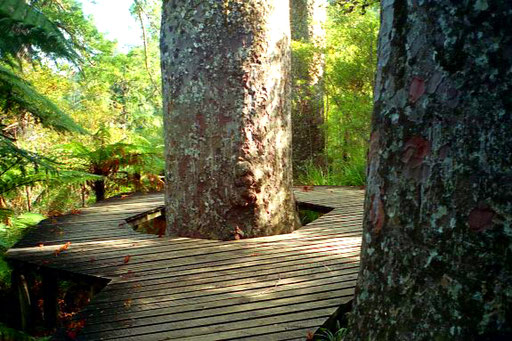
27, 35
119, 162
350, 6
308, 216
10, 234
303, 54
9, 334
349, 72
338, 174
326, 335
26, 30
17, 95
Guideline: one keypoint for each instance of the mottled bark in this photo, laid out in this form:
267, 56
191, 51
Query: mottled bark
436, 258
307, 20
225, 68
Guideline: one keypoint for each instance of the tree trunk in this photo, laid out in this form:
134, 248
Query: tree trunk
225, 68
436, 261
99, 189
307, 20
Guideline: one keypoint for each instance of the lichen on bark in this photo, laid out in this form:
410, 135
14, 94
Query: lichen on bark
225, 69
436, 260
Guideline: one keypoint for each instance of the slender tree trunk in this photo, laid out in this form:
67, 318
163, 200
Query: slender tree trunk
307, 20
225, 68
83, 190
99, 189
3, 205
436, 258
29, 199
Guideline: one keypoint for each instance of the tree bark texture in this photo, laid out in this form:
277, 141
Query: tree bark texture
307, 20
436, 261
225, 67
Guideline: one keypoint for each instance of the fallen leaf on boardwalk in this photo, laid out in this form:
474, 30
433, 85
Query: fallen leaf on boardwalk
310, 336
127, 303
62, 248
74, 327
124, 196
40, 245
307, 188
75, 212
127, 259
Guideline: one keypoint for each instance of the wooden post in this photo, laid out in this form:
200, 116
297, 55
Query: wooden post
20, 285
50, 289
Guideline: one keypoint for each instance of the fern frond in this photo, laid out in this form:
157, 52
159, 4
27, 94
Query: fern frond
24, 27
16, 91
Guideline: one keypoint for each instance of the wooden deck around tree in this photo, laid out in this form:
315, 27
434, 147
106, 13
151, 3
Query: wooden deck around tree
269, 288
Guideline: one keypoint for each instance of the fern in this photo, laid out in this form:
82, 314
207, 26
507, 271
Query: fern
28, 34
24, 27
18, 94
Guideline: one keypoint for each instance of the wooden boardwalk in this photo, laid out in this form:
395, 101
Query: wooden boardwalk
270, 288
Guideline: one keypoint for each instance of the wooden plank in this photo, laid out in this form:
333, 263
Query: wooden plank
255, 292
218, 308
168, 289
146, 283
120, 266
322, 260
240, 329
76, 258
198, 305
204, 325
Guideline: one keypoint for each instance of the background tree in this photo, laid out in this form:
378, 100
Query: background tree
225, 68
436, 261
308, 18
350, 62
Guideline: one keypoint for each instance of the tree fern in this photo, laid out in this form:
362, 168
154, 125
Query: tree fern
24, 27
28, 34
18, 94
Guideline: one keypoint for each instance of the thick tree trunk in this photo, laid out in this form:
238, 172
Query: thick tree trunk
436, 257
225, 68
307, 20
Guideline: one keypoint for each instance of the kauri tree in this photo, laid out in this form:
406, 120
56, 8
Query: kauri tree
308, 36
436, 261
225, 70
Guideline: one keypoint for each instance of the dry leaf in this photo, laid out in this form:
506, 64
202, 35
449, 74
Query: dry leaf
62, 248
